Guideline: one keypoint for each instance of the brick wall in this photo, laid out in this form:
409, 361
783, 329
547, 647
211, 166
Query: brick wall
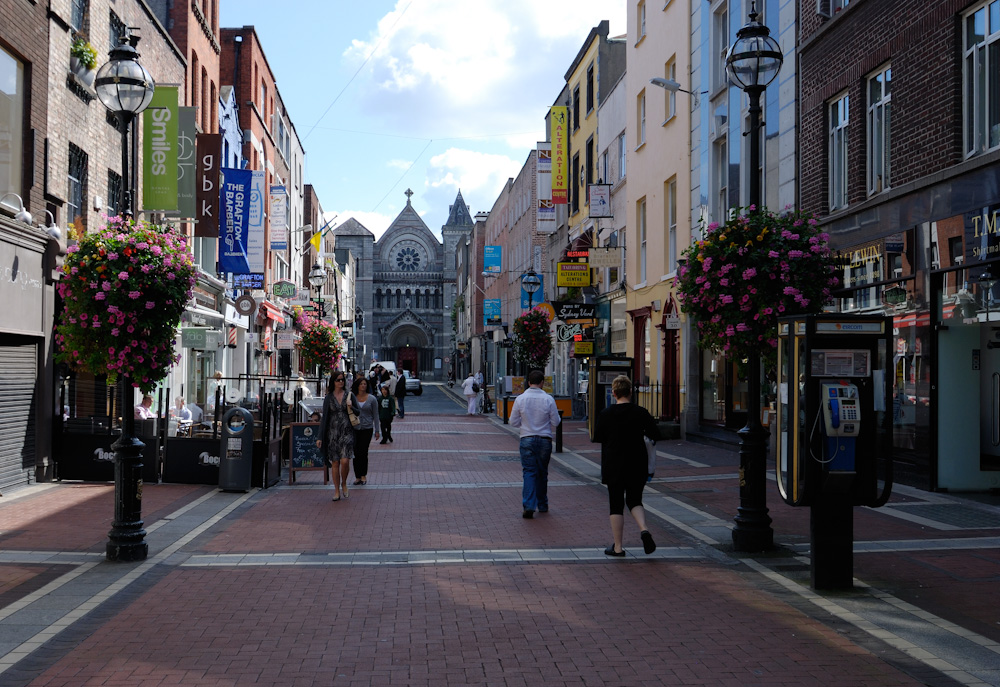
76, 116
23, 35
837, 55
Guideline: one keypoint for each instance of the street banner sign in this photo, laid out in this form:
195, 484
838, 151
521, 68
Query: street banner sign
256, 253
491, 259
279, 218
559, 136
546, 210
600, 200
235, 203
284, 289
187, 185
492, 312
159, 150
571, 274
209, 162
605, 257
570, 312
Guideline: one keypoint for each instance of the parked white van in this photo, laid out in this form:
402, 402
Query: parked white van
388, 365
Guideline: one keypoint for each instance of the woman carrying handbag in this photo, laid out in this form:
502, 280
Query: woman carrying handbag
340, 416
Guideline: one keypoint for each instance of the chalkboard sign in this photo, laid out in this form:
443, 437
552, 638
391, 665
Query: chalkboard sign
303, 453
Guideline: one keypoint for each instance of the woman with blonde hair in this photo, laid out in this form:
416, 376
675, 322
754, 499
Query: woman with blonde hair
624, 462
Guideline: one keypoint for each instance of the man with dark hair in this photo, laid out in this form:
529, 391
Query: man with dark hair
536, 414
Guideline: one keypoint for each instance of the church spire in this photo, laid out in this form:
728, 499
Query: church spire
458, 213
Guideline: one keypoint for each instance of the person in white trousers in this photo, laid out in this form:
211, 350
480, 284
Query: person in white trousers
470, 395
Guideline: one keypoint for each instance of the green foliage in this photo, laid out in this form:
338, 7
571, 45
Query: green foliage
85, 52
124, 290
320, 344
749, 271
533, 340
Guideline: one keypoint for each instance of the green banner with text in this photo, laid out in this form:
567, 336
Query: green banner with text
159, 151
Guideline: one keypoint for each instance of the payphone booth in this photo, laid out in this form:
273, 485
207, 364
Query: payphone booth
834, 427
602, 372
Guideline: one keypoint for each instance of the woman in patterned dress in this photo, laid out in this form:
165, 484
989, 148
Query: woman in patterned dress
337, 433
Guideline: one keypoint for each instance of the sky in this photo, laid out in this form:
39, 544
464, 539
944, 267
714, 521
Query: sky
432, 95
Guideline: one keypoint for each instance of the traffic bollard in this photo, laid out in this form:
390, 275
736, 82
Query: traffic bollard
559, 434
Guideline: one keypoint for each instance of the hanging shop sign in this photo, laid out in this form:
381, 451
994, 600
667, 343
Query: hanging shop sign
569, 312
605, 257
600, 200
159, 150
571, 274
208, 163
245, 305
284, 289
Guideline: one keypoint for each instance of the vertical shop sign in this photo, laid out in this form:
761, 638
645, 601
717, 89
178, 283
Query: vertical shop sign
159, 150
209, 147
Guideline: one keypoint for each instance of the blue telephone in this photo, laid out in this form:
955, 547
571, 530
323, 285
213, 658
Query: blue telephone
841, 424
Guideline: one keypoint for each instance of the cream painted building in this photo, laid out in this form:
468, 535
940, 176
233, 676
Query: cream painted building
658, 160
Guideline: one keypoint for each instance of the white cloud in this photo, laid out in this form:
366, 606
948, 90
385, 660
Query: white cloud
399, 164
442, 68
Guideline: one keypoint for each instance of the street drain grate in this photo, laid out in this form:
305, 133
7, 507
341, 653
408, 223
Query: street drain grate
955, 515
503, 459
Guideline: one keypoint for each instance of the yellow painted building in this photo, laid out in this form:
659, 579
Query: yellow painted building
658, 158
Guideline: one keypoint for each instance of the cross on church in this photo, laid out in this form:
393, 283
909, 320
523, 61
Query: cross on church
408, 193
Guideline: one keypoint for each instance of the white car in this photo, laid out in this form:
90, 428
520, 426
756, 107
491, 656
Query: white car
412, 383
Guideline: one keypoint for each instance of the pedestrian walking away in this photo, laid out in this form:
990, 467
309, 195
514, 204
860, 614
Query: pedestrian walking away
479, 391
368, 425
471, 390
400, 392
337, 432
535, 413
624, 462
386, 412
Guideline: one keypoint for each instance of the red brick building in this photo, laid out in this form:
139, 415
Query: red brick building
899, 149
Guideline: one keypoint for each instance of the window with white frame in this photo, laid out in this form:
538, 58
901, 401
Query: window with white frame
622, 156
604, 174
78, 14
981, 78
670, 99
879, 140
720, 179
720, 45
77, 187
11, 124
640, 123
641, 222
640, 20
671, 217
839, 118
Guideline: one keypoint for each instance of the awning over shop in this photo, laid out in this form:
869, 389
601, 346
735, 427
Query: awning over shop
199, 316
271, 312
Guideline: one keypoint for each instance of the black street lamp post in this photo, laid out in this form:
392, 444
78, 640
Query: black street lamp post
317, 277
530, 283
125, 88
752, 63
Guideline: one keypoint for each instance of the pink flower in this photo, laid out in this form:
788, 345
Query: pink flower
123, 275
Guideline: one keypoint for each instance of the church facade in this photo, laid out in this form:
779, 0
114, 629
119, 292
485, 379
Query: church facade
406, 287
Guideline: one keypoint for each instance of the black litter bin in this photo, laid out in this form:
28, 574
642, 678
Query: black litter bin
236, 450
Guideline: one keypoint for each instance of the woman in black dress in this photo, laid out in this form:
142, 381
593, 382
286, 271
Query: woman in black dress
624, 461
337, 432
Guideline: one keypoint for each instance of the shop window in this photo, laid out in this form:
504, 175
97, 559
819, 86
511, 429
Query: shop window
981, 78
11, 125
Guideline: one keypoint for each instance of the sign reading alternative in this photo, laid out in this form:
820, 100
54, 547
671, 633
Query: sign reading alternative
159, 150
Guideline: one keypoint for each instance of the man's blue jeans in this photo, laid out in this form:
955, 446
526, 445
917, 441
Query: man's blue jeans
535, 455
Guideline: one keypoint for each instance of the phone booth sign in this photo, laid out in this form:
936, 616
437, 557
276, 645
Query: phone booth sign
834, 428
603, 370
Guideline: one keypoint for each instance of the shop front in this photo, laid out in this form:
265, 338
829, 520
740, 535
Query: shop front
931, 260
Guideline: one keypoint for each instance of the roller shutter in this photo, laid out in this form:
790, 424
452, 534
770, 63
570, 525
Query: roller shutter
18, 377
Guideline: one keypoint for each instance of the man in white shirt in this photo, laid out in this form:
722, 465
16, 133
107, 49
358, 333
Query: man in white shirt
470, 395
144, 411
536, 414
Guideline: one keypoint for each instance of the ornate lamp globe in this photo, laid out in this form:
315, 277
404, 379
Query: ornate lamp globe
317, 275
755, 58
122, 84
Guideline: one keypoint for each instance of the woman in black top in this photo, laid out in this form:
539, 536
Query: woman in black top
624, 462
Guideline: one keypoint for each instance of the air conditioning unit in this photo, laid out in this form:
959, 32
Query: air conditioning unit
247, 135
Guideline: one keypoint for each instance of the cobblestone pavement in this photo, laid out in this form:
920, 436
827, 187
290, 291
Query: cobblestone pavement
430, 576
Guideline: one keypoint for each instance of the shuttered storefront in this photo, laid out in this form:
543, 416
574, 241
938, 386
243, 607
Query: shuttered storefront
18, 378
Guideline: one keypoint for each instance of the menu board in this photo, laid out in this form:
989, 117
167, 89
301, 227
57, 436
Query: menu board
303, 454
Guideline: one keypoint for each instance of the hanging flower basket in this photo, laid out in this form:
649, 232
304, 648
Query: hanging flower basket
124, 291
749, 271
321, 343
533, 340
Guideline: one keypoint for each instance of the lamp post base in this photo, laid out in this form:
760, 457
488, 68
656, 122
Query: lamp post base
126, 540
753, 525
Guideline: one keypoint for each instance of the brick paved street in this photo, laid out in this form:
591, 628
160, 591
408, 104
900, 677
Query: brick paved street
429, 576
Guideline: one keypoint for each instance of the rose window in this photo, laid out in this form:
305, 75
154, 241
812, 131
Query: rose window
408, 259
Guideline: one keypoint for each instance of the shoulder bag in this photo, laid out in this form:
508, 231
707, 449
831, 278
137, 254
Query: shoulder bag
355, 420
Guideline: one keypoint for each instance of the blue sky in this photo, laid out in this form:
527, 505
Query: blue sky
431, 95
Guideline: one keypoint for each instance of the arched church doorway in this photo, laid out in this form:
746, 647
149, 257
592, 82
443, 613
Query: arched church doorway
409, 346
